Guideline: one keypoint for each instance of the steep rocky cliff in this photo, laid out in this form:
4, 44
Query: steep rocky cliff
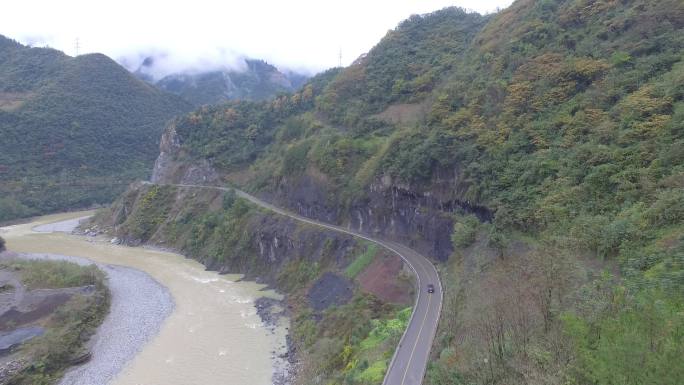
172, 167
419, 217
415, 216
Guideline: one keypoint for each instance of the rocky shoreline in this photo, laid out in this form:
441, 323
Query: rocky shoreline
272, 312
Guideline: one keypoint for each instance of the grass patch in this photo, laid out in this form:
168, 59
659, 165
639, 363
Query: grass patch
67, 329
362, 261
375, 373
67, 332
384, 329
43, 274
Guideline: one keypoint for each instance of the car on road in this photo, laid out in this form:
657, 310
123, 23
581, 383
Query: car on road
431, 288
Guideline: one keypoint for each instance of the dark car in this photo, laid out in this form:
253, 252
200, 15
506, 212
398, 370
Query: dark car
431, 288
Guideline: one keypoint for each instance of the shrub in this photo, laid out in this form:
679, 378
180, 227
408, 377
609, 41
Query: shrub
229, 198
465, 231
45, 274
11, 208
636, 340
668, 209
374, 373
295, 159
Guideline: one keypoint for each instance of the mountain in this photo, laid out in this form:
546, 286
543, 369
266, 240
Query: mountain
535, 154
75, 130
257, 81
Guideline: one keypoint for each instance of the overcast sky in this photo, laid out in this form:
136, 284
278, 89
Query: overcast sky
297, 34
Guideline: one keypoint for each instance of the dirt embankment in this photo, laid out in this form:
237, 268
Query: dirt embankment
387, 279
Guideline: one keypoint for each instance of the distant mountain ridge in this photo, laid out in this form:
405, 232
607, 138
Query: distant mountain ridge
74, 129
259, 80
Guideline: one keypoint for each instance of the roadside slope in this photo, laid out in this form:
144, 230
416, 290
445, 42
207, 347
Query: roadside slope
411, 356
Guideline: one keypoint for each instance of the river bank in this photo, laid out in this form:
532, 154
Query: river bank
214, 329
139, 305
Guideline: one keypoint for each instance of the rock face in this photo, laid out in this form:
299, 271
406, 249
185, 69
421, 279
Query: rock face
277, 241
330, 290
172, 167
270, 242
417, 216
420, 219
164, 164
408, 214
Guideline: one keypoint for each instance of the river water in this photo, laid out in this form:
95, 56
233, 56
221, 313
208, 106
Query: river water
213, 336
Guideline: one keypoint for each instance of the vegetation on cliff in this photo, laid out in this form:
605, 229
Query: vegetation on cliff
562, 117
75, 130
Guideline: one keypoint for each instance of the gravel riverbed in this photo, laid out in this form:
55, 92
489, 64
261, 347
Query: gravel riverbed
139, 306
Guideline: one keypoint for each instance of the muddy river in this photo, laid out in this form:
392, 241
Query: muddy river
213, 334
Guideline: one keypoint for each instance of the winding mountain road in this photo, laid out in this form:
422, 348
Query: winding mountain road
410, 359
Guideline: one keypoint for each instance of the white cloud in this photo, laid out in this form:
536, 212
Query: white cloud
297, 34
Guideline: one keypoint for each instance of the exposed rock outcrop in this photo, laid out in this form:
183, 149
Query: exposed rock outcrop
172, 166
330, 290
415, 216
270, 241
407, 214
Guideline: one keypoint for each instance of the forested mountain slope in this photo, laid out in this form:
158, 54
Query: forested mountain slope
258, 81
536, 152
74, 131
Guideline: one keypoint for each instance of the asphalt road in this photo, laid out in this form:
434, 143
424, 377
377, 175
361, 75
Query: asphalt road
411, 356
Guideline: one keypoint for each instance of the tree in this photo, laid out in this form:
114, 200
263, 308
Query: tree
634, 340
229, 199
2, 244
465, 231
552, 274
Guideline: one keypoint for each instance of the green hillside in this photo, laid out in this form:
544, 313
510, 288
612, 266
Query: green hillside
258, 81
74, 131
559, 123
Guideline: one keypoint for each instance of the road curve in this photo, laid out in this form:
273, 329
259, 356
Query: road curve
410, 359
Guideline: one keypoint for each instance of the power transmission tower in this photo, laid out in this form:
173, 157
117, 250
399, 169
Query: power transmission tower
340, 57
77, 46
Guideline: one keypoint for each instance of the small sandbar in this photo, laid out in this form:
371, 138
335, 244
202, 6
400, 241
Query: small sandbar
66, 226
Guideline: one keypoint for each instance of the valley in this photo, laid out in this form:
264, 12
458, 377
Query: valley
411, 356
480, 198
